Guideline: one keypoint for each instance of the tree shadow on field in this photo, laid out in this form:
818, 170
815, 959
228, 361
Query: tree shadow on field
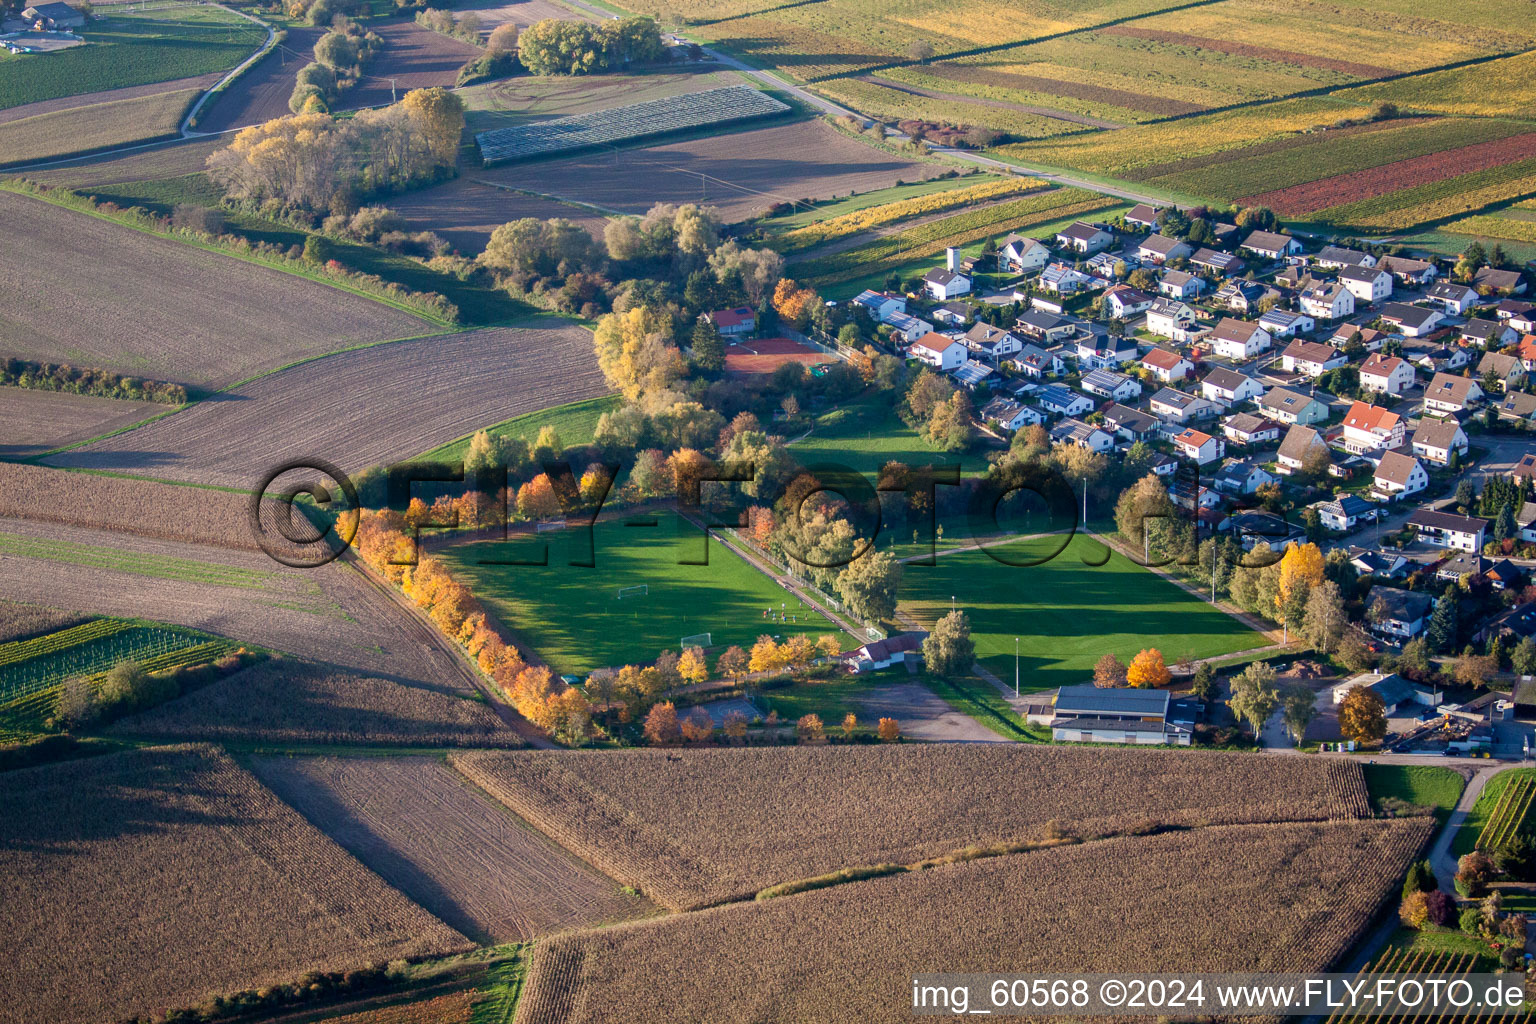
66, 810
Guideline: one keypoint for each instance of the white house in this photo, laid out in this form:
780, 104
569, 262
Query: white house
1328, 300
1178, 284
1398, 613
1167, 366
1084, 238
1312, 358
1034, 361
1387, 375
1448, 530
1298, 444
1271, 245
1366, 284
994, 343
1343, 513
1286, 323
1131, 424
1109, 384
1141, 217
1169, 318
1446, 393
1008, 414
1228, 387
1399, 475
1241, 478
1396, 693
1238, 339
939, 351
1075, 431
1369, 428
733, 322
944, 284
1452, 297
1123, 302
1408, 271
1487, 334
1198, 446
887, 652
907, 327
1248, 429
1333, 257
1435, 440
1062, 279
879, 305
1161, 248
1410, 321
1019, 254
1180, 406
1063, 401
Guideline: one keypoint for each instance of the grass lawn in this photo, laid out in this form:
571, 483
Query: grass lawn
1066, 613
866, 434
572, 616
1482, 810
94, 126
131, 49
575, 422
830, 698
1426, 785
1456, 943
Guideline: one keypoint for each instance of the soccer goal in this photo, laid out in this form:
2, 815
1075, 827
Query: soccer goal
642, 590
697, 640
548, 526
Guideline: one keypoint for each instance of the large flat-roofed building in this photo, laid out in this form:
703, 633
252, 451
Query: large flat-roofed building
1091, 714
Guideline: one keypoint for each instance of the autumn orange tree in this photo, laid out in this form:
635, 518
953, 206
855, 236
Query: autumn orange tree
661, 725
765, 655
793, 303
889, 730
1109, 671
1362, 715
1147, 669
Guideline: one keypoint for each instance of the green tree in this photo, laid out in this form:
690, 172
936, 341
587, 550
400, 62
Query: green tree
1203, 686
1297, 707
1324, 618
1254, 696
1523, 659
869, 585
1440, 634
708, 349
948, 649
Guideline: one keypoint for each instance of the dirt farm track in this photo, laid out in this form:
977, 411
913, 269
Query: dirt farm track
357, 409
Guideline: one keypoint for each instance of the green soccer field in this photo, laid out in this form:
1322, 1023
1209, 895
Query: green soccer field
1066, 614
573, 617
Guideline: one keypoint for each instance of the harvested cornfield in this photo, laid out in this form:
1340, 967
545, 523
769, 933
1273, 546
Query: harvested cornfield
295, 702
144, 507
176, 313
83, 129
446, 845
19, 621
357, 409
1271, 898
697, 827
36, 421
453, 1008
143, 881
334, 614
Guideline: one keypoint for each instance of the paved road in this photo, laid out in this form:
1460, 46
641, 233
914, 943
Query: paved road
1441, 858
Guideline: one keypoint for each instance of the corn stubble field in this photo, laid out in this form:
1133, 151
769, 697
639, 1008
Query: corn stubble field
1285, 897
463, 857
153, 879
301, 703
699, 827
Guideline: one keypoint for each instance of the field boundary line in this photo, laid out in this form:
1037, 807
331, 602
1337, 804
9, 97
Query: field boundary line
606, 211
46, 197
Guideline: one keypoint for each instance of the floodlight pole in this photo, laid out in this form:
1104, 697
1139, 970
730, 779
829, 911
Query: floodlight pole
1015, 667
392, 94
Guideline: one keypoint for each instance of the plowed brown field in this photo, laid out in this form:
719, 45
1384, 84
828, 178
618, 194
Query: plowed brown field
357, 409
466, 859
148, 880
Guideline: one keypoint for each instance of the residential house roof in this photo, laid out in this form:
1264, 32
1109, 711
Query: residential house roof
1338, 254
1310, 351
733, 317
1180, 400
1348, 506
1074, 430
1162, 359
1142, 213
1106, 379
1001, 409
941, 276
987, 336
1402, 605
1403, 265
1498, 280
1502, 365
1447, 521
1298, 440
1408, 316
1230, 329
1226, 379
1178, 278
1128, 295
1436, 433
1360, 273
1482, 330
1286, 400
1396, 468
1267, 241
1372, 418
935, 342
1379, 365
1446, 388
1080, 231
1134, 420
1161, 244
1040, 320
1192, 437
1248, 423
1451, 290
1216, 259
1518, 403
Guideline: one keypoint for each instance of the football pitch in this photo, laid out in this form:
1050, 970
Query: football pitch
1067, 614
575, 619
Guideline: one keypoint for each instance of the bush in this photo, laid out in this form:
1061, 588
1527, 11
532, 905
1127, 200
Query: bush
1471, 920
488, 66
1517, 859
1441, 908
318, 249
1420, 878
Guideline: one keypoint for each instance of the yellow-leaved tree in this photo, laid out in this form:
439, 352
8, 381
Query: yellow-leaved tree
1147, 669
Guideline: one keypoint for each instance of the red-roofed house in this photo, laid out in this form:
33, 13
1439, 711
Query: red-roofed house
1199, 446
1388, 375
730, 322
939, 351
1369, 428
1167, 366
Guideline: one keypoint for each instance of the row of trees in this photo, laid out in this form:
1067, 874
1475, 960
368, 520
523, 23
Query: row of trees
80, 380
313, 162
664, 728
341, 55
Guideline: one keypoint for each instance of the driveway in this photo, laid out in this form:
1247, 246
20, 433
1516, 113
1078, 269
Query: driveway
923, 714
